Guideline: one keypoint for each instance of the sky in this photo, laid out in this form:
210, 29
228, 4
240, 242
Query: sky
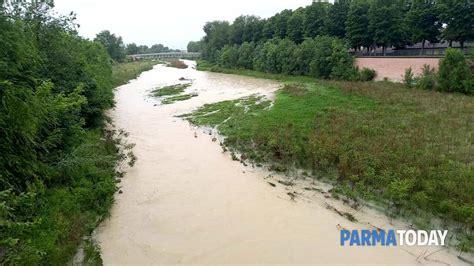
172, 22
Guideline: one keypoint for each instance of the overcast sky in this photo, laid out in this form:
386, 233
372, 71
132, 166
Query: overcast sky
171, 22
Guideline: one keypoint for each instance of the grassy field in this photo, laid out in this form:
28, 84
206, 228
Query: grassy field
123, 72
409, 150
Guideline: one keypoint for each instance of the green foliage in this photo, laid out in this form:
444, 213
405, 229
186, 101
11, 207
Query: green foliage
363, 23
57, 165
357, 25
459, 20
423, 21
366, 74
454, 73
113, 44
170, 90
194, 47
386, 24
409, 78
427, 79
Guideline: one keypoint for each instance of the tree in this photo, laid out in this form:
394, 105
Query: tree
113, 44
280, 24
454, 73
459, 19
358, 24
132, 48
246, 55
295, 26
337, 18
316, 19
423, 22
217, 35
194, 47
228, 56
386, 25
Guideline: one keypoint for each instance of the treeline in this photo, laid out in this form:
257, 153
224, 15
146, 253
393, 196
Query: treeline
322, 57
57, 164
118, 50
362, 23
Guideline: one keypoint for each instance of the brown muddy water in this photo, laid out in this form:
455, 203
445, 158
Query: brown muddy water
187, 202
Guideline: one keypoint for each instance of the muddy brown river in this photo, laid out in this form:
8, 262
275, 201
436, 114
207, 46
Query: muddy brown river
187, 202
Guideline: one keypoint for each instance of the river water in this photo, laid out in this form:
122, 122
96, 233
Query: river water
187, 202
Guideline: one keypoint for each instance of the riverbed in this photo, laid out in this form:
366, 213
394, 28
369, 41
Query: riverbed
187, 202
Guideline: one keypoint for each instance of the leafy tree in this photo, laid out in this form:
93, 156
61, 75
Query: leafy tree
280, 23
457, 14
423, 22
132, 48
113, 44
454, 73
303, 55
217, 35
316, 18
295, 26
357, 25
246, 55
341, 60
386, 24
194, 47
229, 56
337, 18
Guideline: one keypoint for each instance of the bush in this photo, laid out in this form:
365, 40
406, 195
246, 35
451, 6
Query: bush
454, 73
427, 79
367, 74
408, 78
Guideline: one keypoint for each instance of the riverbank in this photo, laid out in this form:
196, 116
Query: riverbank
187, 202
407, 150
123, 72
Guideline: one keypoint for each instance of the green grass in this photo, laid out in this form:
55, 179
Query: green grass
177, 98
409, 150
170, 90
123, 72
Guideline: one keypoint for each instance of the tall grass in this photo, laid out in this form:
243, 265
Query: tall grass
123, 72
410, 150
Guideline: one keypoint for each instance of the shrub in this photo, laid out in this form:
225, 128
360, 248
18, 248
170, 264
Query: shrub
408, 78
427, 79
454, 73
367, 74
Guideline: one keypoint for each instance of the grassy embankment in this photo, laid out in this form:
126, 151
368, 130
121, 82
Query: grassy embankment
408, 150
123, 72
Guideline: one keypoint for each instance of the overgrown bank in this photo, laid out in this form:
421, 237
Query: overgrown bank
58, 163
409, 150
123, 72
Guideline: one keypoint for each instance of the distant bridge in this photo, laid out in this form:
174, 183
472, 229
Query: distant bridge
178, 55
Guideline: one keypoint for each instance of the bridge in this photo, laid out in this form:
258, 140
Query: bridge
177, 55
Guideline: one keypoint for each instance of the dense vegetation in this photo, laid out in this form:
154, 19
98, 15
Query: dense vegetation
124, 72
363, 23
315, 40
409, 150
132, 48
118, 50
58, 165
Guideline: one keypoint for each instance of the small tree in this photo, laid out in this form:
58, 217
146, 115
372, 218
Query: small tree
454, 73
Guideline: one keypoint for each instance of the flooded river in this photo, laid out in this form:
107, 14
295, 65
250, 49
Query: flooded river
187, 202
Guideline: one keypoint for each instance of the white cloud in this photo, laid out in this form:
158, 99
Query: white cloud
172, 23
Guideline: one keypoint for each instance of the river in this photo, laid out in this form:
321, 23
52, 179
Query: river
187, 202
